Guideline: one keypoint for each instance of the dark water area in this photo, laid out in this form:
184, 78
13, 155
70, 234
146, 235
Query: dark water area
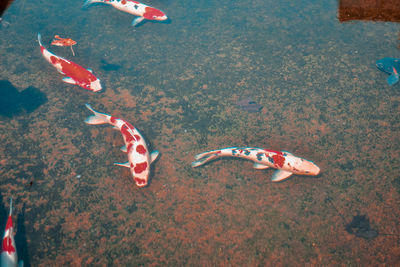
106, 66
13, 102
180, 83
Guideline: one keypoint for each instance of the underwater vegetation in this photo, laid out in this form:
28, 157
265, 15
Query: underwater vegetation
13, 102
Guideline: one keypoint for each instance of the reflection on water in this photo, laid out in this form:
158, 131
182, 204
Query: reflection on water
322, 97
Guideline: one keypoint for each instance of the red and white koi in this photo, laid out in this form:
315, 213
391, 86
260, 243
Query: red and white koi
133, 7
285, 162
139, 158
9, 255
75, 74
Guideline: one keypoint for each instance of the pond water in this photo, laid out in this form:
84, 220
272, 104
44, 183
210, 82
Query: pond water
179, 82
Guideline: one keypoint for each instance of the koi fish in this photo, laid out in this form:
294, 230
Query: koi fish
9, 255
285, 162
58, 41
133, 7
139, 158
75, 73
391, 66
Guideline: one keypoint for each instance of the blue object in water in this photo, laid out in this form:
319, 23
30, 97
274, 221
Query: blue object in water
391, 66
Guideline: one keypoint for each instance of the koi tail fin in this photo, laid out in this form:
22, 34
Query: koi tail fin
205, 157
10, 206
39, 37
394, 78
97, 118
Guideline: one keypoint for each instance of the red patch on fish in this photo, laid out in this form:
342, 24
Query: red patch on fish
141, 149
150, 12
140, 167
73, 70
9, 223
139, 181
279, 159
126, 134
123, 2
130, 126
113, 119
137, 137
53, 60
7, 245
77, 72
273, 151
129, 147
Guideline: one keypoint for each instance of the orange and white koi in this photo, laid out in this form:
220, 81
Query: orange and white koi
75, 74
9, 257
285, 162
58, 41
133, 7
139, 158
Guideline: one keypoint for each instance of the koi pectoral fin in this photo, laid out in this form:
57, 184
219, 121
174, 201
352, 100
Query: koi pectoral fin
125, 164
137, 20
124, 149
259, 166
280, 175
392, 79
69, 80
154, 155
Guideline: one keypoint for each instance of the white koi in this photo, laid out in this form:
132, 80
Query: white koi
285, 162
139, 158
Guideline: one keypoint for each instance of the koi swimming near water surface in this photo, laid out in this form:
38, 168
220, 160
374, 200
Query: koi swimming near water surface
136, 8
58, 41
139, 158
286, 163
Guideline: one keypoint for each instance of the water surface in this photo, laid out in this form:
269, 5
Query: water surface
323, 99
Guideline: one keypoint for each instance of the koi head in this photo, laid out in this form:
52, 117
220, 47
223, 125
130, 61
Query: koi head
140, 173
300, 166
95, 86
152, 13
306, 167
139, 161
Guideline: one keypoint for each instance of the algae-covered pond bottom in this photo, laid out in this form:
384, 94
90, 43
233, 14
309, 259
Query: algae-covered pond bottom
180, 83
